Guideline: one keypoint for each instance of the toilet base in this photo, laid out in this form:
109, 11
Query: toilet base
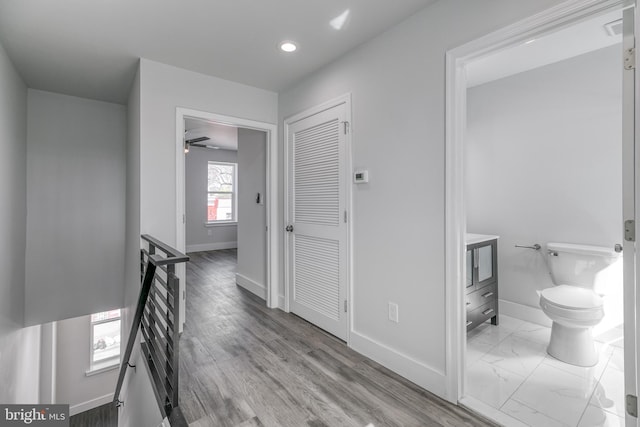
572, 345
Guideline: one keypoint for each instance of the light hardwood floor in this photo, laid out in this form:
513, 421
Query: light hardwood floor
242, 364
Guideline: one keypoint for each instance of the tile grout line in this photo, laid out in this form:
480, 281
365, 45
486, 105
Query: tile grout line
524, 381
514, 333
520, 385
533, 409
607, 411
594, 389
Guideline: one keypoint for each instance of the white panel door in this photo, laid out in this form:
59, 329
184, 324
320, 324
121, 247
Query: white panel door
630, 212
317, 219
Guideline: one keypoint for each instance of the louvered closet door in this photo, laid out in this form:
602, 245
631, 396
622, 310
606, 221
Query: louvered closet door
317, 244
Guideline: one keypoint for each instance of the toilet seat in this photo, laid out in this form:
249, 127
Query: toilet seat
571, 298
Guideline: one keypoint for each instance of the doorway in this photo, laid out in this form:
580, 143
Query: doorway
225, 188
460, 62
264, 201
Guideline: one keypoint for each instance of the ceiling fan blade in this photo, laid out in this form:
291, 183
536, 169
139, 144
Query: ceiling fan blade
195, 140
198, 145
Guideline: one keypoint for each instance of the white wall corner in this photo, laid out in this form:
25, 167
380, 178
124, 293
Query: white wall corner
251, 286
403, 365
212, 246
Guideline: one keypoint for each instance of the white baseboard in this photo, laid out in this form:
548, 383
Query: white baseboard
524, 312
251, 286
90, 404
413, 370
211, 246
281, 302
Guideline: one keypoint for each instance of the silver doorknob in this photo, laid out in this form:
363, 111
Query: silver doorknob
289, 228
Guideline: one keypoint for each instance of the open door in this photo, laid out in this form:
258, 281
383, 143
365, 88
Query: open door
631, 184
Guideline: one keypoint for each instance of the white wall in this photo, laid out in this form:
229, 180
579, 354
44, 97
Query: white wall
132, 195
19, 347
48, 342
397, 83
251, 272
75, 200
200, 237
73, 386
142, 409
543, 164
163, 89
132, 258
151, 172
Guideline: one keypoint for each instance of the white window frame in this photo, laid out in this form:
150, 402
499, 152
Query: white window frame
234, 195
109, 363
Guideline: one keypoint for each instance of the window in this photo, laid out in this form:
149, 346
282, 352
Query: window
221, 192
105, 340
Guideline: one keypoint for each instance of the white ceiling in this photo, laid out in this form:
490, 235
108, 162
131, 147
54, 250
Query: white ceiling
221, 136
89, 48
583, 37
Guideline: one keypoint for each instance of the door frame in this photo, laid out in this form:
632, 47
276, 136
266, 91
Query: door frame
537, 25
272, 194
631, 185
288, 121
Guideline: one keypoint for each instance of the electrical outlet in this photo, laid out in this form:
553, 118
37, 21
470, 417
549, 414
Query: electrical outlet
393, 311
209, 232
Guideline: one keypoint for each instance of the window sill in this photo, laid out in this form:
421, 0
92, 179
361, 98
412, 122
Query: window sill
102, 367
220, 223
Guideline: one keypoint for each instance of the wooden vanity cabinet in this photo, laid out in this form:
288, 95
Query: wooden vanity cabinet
482, 283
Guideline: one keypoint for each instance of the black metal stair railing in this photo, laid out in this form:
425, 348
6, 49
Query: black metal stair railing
158, 317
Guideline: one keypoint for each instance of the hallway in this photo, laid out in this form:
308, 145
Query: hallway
244, 364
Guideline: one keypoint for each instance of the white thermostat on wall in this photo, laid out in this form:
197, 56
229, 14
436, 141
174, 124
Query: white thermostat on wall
360, 177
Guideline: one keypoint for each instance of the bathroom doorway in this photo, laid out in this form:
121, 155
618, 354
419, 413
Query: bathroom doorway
541, 156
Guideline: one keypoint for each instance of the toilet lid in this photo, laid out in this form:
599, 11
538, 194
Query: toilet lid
572, 297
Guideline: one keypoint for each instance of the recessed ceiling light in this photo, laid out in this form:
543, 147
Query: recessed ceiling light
530, 41
288, 46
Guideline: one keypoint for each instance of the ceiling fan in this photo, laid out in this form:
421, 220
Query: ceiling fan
198, 142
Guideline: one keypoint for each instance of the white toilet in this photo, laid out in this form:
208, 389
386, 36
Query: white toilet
573, 304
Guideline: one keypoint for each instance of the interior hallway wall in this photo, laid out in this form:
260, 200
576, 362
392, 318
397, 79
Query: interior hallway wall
397, 82
137, 385
73, 386
252, 216
163, 89
76, 206
156, 93
19, 346
199, 235
543, 164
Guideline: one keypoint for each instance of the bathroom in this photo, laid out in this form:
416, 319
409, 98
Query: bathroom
543, 157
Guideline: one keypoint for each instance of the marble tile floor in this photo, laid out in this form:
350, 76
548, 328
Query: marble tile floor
509, 369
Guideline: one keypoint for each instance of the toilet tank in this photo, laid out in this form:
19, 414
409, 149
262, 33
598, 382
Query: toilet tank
592, 267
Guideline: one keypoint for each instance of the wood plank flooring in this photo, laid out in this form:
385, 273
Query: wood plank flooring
102, 416
242, 364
